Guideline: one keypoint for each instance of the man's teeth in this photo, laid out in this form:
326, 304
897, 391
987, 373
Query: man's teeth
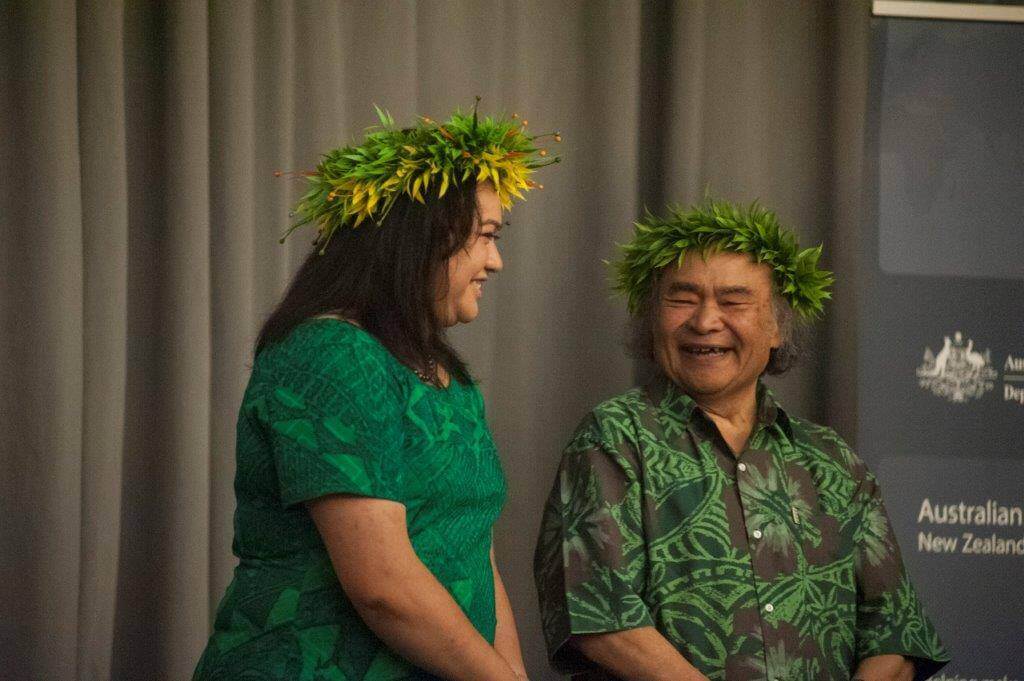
706, 351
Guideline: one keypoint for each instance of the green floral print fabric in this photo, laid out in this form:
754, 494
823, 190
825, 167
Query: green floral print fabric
330, 410
779, 563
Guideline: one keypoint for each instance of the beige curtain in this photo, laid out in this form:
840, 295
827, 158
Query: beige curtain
139, 218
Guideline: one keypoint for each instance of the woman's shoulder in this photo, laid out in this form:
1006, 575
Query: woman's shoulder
327, 344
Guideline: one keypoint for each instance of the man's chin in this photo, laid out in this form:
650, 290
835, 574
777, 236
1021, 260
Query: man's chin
700, 383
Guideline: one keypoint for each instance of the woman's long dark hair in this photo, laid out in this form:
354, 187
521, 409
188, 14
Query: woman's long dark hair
387, 278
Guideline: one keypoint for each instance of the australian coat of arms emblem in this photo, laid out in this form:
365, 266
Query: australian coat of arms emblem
958, 372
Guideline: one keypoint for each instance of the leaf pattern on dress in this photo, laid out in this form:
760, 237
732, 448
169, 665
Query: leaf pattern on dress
329, 410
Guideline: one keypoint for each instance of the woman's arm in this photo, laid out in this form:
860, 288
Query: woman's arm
506, 639
396, 595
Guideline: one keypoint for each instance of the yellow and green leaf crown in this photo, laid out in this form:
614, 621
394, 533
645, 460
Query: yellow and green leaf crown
717, 225
358, 183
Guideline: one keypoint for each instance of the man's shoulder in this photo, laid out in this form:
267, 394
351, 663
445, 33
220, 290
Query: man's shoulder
820, 440
613, 419
807, 430
628, 403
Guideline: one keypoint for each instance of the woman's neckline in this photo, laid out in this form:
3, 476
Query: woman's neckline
415, 375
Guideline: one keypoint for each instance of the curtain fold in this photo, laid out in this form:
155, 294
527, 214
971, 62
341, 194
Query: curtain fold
104, 189
41, 322
234, 187
166, 476
139, 219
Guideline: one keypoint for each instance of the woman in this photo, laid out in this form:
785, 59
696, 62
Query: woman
367, 480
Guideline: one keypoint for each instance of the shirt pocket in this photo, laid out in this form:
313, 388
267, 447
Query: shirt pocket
815, 508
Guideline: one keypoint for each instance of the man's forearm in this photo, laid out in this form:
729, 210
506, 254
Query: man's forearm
640, 654
885, 668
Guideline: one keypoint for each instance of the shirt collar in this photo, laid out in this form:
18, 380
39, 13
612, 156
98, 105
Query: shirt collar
665, 395
769, 411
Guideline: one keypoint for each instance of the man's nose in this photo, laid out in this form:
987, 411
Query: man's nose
707, 318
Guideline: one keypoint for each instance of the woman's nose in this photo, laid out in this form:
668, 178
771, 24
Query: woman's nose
494, 263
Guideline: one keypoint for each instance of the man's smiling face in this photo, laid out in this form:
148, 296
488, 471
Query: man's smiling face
714, 326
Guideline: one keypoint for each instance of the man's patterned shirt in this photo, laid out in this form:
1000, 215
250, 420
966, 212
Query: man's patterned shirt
779, 563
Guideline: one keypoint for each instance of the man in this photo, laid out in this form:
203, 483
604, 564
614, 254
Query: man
696, 530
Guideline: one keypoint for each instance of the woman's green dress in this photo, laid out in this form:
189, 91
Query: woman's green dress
330, 410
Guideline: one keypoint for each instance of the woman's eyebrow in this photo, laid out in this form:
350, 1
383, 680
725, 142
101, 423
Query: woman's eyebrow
495, 223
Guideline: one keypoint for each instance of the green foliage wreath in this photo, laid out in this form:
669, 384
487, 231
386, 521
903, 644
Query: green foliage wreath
357, 183
717, 225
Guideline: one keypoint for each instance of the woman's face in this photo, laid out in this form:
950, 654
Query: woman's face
469, 268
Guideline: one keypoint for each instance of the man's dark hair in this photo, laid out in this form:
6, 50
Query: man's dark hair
387, 278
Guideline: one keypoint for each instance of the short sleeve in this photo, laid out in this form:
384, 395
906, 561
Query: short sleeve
330, 407
890, 616
590, 563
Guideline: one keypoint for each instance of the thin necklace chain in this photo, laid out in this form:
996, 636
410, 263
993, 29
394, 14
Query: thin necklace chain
429, 375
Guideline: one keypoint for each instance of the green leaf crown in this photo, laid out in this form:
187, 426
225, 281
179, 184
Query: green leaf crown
717, 225
358, 183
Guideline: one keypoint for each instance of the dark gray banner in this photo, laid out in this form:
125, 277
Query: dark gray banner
941, 330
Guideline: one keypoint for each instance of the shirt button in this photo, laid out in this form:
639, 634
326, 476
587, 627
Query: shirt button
757, 534
742, 467
769, 608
